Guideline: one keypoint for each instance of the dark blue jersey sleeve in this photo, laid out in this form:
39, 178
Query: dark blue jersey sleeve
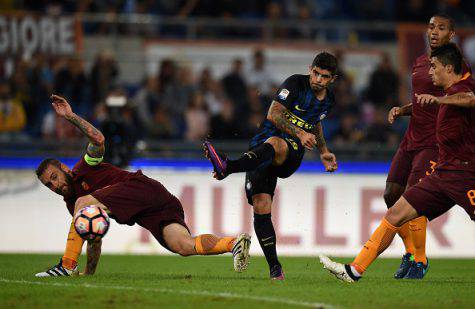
288, 91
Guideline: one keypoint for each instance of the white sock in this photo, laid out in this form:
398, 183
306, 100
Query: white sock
354, 271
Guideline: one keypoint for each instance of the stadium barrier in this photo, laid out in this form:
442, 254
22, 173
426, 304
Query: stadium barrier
313, 213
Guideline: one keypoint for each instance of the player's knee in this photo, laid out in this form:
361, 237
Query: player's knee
81, 202
183, 249
278, 144
184, 252
262, 205
396, 215
392, 193
274, 141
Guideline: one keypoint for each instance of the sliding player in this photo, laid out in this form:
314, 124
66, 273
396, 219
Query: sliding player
129, 198
453, 181
293, 123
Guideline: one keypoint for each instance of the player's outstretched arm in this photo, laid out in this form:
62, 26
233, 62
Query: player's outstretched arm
277, 117
463, 99
397, 112
93, 255
328, 159
95, 147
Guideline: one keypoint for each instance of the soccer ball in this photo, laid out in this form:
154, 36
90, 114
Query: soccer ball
91, 222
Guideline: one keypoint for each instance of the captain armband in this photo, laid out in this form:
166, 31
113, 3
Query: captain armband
91, 160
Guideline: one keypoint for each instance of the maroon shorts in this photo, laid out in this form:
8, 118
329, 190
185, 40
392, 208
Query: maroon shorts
409, 167
154, 221
439, 192
144, 201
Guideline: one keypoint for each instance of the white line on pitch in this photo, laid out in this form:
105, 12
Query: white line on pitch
171, 291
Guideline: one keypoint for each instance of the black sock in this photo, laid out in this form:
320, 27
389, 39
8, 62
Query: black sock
266, 235
261, 155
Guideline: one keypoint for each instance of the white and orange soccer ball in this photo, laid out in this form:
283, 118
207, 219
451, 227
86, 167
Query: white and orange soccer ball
91, 222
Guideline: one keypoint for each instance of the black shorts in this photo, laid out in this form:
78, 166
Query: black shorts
264, 180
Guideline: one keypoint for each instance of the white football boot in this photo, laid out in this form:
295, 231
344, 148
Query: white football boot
341, 271
241, 252
58, 271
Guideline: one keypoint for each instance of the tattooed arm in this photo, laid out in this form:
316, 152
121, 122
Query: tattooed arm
95, 148
320, 139
328, 159
93, 255
277, 117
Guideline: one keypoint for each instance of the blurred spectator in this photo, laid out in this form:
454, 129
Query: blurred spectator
167, 73
235, 88
119, 129
379, 131
103, 76
256, 114
12, 114
224, 125
179, 88
71, 82
56, 128
41, 75
384, 84
259, 75
349, 132
212, 92
197, 118
146, 102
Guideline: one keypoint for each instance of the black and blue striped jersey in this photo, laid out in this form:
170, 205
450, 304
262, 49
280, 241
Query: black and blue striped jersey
304, 110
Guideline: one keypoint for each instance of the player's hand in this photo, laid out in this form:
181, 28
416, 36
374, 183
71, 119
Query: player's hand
61, 106
308, 140
329, 161
426, 99
393, 114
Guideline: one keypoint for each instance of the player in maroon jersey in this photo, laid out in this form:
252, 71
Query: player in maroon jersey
417, 154
452, 182
129, 198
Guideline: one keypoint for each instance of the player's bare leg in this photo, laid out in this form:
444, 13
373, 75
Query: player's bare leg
382, 237
180, 241
281, 150
392, 193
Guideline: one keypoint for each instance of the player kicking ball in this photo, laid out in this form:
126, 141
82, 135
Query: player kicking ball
129, 198
452, 182
293, 124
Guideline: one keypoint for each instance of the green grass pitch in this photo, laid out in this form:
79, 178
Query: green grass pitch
125, 281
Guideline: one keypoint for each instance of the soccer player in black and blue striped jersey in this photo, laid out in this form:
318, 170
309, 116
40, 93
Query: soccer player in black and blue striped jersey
293, 124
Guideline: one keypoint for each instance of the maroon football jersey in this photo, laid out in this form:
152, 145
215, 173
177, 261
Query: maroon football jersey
421, 131
456, 131
87, 179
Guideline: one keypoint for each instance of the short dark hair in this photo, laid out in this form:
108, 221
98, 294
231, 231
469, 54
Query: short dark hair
326, 61
44, 164
449, 54
448, 18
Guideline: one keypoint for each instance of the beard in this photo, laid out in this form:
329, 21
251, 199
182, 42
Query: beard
69, 182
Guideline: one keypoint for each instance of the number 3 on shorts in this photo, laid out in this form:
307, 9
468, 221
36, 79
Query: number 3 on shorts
471, 196
432, 167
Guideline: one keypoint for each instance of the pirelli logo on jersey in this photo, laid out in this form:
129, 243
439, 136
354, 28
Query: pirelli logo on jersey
299, 122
